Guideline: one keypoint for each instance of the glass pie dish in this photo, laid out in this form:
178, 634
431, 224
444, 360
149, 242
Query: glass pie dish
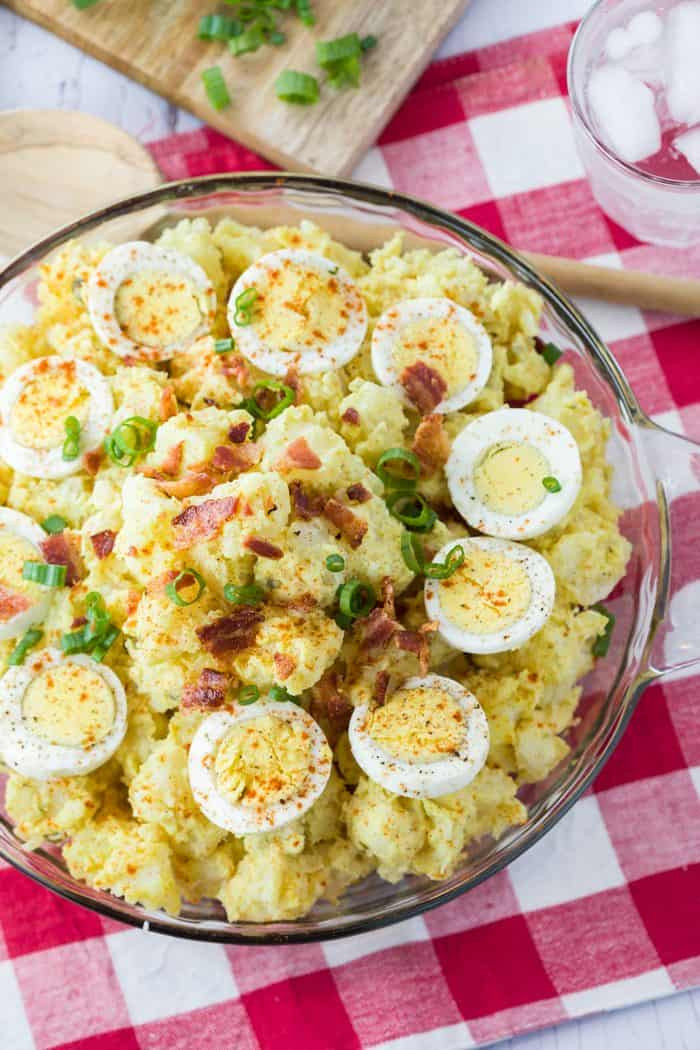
655, 482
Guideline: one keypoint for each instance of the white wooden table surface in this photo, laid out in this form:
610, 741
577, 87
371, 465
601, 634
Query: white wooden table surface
38, 69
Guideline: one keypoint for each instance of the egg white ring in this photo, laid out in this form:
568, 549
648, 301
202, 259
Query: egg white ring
425, 779
30, 755
388, 329
123, 262
49, 462
246, 819
25, 528
307, 360
545, 434
542, 592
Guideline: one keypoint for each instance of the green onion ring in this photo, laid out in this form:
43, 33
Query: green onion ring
185, 575
397, 481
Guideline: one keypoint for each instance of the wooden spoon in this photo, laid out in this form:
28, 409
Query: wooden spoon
56, 165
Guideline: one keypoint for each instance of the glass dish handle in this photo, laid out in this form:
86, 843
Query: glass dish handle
676, 463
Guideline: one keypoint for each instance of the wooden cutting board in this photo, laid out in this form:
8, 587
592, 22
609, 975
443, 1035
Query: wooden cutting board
155, 41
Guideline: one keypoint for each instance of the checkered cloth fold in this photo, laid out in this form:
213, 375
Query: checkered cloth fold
601, 913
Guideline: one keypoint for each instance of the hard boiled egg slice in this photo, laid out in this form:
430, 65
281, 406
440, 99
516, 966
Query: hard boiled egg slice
60, 715
430, 738
258, 767
35, 402
434, 349
500, 596
149, 302
22, 602
514, 473
296, 310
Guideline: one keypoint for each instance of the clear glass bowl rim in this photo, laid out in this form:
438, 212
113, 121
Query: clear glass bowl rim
472, 235
579, 111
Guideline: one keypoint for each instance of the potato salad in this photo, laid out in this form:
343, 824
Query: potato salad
302, 557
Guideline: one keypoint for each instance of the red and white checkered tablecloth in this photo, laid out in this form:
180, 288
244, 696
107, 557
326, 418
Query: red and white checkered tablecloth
605, 911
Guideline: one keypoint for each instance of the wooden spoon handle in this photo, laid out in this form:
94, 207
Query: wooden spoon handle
674, 295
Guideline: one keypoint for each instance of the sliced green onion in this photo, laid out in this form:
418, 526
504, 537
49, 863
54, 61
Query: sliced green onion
218, 27
252, 404
356, 599
71, 446
185, 578
133, 438
551, 484
368, 42
551, 353
245, 304
83, 5
602, 643
215, 85
54, 524
330, 51
305, 13
301, 89
276, 38
412, 552
250, 594
277, 692
28, 640
335, 563
98, 619
393, 480
223, 346
248, 694
436, 570
250, 40
99, 651
411, 510
40, 572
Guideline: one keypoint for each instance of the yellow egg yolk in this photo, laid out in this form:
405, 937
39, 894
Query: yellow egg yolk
39, 414
157, 309
263, 761
508, 480
69, 705
14, 551
418, 725
298, 309
441, 344
488, 593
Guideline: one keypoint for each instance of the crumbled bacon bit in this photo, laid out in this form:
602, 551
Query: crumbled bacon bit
62, 549
330, 704
132, 602
231, 633
381, 685
78, 621
298, 455
358, 493
190, 484
103, 542
225, 458
92, 461
235, 368
378, 629
233, 459
262, 548
12, 603
352, 527
168, 468
352, 416
201, 521
168, 404
388, 596
208, 691
238, 432
417, 643
424, 386
431, 444
305, 504
284, 665
293, 381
